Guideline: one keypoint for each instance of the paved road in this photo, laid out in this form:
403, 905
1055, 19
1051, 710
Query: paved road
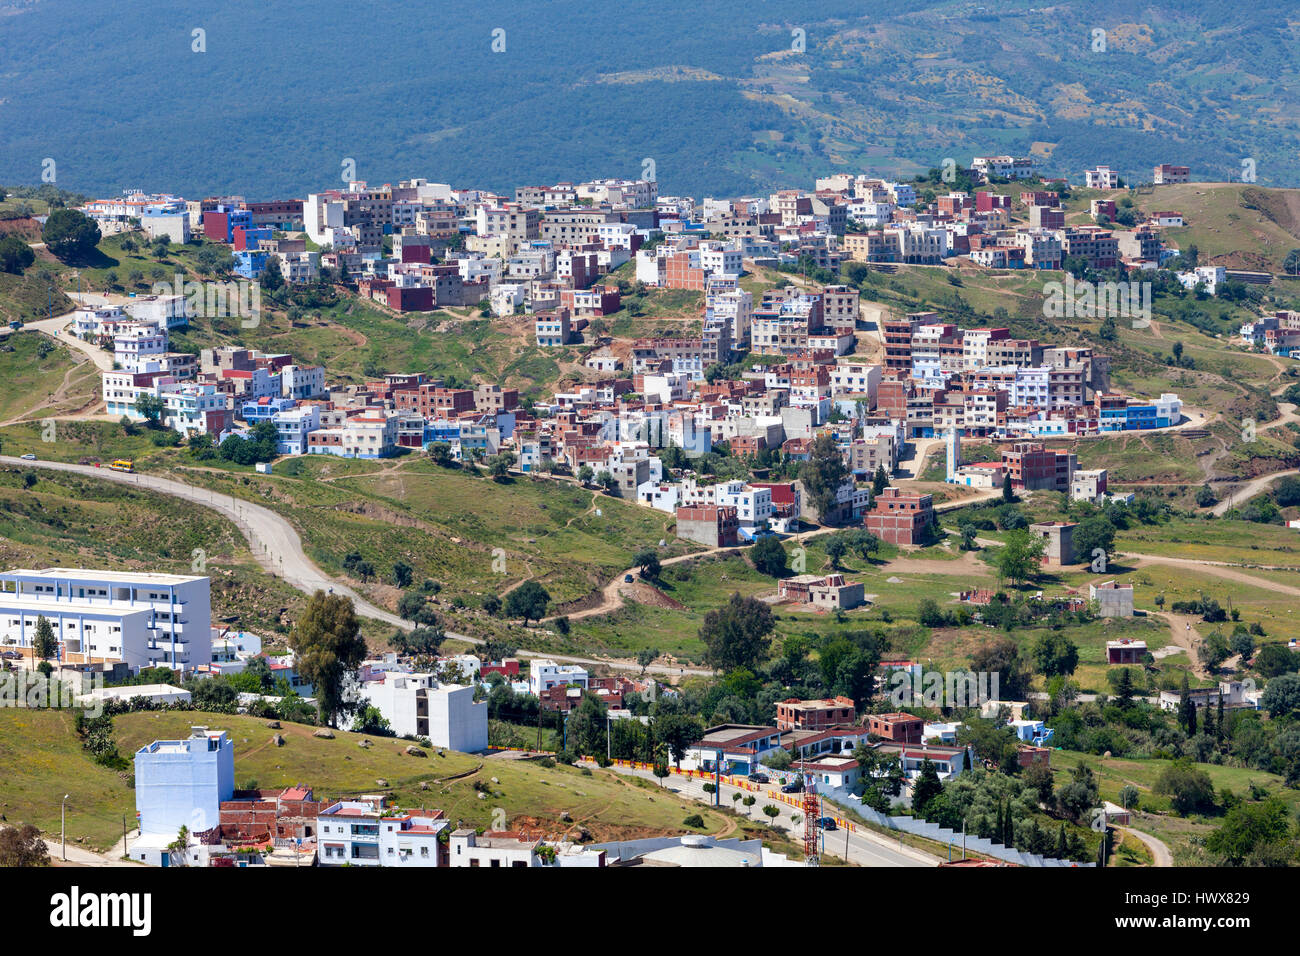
277, 547
54, 328
863, 848
1159, 850
80, 857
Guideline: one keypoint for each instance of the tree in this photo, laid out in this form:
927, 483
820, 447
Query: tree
823, 474
769, 557
926, 788
1092, 534
1292, 263
835, 550
1282, 695
880, 482
1122, 682
440, 454
585, 474
648, 562
736, 634
586, 728
1188, 787
328, 647
1080, 794
150, 407
492, 604
15, 255
677, 732
22, 846
1008, 495
402, 574
272, 279
370, 720
645, 657
44, 643
1187, 710
1055, 654
1002, 657
1273, 660
1128, 796
527, 601
415, 608
1249, 828
420, 642
1019, 559
69, 234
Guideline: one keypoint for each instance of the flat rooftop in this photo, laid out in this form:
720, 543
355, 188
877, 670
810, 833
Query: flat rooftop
93, 574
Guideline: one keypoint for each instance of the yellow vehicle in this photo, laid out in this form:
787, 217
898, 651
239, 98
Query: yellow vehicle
122, 464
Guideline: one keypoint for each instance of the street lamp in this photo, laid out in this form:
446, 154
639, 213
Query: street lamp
63, 826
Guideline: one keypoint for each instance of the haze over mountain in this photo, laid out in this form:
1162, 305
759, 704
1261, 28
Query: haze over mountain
712, 92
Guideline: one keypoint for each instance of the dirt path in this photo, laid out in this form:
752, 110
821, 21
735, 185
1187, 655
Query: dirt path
1184, 633
1159, 850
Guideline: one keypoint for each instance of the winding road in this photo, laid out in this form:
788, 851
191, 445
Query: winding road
277, 547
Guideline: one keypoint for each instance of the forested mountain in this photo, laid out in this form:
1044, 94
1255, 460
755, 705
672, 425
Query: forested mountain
716, 93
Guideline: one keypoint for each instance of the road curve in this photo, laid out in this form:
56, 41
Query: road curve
1159, 850
277, 547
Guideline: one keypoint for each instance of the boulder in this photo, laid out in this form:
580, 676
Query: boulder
415, 751
273, 725
277, 739
381, 782
324, 733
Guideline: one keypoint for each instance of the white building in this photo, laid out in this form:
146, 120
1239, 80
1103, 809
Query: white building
545, 674
144, 620
417, 705
365, 832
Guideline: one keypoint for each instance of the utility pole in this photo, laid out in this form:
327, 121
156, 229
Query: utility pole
63, 826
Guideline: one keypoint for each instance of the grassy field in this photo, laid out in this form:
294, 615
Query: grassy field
1235, 224
474, 535
1155, 816
68, 520
41, 758
40, 374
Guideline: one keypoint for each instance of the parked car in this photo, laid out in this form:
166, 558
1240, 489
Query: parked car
827, 823
759, 778
29, 457
627, 579
795, 787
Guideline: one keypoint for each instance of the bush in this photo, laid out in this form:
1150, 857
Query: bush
695, 821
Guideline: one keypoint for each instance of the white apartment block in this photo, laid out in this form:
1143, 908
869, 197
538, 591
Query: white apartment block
137, 343
365, 436
302, 382
855, 378
143, 620
1004, 167
418, 705
1103, 177
365, 832
544, 674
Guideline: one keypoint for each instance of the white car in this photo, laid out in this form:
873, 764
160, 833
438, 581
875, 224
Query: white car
29, 457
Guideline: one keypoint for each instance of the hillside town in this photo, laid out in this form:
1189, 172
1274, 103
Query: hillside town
788, 405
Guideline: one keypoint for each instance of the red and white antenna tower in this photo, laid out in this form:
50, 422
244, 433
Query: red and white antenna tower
812, 819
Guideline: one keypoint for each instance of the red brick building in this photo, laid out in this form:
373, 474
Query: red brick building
900, 728
796, 714
899, 517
